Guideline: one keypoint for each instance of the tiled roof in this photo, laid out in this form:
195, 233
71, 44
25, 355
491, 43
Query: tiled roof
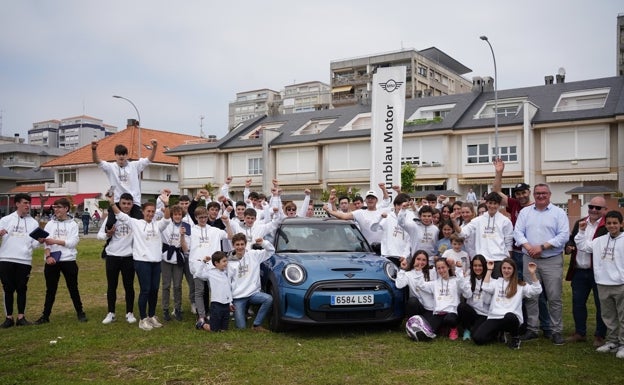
130, 138
28, 188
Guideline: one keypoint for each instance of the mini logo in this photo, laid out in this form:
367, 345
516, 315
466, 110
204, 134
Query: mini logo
391, 85
349, 275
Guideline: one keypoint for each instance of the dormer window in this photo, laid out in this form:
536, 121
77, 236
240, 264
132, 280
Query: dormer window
314, 127
360, 122
505, 107
582, 100
256, 133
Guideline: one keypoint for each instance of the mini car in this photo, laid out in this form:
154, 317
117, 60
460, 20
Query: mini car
325, 272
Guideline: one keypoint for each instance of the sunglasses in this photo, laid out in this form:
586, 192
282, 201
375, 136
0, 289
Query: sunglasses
291, 210
592, 207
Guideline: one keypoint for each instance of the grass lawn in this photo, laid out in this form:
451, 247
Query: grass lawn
178, 354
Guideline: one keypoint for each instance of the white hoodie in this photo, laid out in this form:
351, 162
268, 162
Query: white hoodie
608, 257
245, 272
66, 230
17, 246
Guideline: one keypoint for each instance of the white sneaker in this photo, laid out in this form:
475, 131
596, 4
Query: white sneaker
609, 347
620, 352
193, 309
154, 322
145, 324
110, 317
130, 318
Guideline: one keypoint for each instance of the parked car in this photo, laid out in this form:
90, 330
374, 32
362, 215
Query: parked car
325, 272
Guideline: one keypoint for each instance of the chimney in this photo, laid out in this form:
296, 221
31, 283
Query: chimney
549, 79
560, 78
133, 123
477, 84
17, 138
488, 84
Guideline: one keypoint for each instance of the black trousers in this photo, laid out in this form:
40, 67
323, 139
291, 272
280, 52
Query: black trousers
115, 266
219, 316
14, 277
468, 317
489, 329
414, 307
52, 274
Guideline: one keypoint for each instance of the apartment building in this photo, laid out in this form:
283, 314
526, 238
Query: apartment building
69, 133
430, 72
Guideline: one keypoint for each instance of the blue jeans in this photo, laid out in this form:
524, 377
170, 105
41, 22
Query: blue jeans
149, 281
259, 298
582, 284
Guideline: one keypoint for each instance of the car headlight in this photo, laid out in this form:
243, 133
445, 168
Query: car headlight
294, 274
391, 270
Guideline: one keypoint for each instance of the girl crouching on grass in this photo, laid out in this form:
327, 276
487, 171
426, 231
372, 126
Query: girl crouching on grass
505, 314
419, 302
446, 291
474, 311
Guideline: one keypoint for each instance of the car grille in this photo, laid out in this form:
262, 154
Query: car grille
349, 314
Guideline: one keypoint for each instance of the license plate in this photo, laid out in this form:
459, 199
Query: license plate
348, 300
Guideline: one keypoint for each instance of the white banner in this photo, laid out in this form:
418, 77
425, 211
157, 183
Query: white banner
388, 115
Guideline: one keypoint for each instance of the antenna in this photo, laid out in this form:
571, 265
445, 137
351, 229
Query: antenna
1, 122
561, 71
201, 126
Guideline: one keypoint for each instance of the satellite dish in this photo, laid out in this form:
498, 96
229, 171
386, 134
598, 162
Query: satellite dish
561, 71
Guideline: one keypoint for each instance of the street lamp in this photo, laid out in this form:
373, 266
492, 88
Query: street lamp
484, 38
138, 116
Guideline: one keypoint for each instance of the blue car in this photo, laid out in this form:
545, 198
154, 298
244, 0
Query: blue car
325, 272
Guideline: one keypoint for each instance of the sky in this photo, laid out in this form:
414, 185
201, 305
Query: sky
180, 60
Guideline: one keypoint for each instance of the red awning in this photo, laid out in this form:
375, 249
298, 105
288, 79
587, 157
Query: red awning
77, 199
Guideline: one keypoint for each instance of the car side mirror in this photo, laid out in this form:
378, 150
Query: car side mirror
376, 246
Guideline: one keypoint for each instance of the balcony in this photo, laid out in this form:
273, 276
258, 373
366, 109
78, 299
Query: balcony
343, 100
62, 188
8, 163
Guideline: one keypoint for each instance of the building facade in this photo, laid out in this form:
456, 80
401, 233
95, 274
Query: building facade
565, 134
429, 72
69, 133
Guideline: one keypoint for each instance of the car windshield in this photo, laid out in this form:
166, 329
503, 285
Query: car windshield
320, 237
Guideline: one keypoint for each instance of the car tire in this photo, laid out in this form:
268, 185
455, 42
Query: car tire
276, 324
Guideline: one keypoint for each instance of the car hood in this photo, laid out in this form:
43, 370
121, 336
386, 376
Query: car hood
334, 262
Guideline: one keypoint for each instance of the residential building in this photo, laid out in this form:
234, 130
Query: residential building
250, 104
306, 97
564, 134
20, 157
430, 72
69, 133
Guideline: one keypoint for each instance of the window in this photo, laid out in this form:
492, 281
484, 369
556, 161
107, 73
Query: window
413, 160
582, 100
506, 153
360, 122
254, 166
314, 127
478, 153
505, 107
257, 132
422, 71
429, 113
67, 175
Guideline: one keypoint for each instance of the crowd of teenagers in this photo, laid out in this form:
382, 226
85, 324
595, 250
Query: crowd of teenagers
487, 273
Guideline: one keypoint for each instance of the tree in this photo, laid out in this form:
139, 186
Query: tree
350, 192
408, 176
